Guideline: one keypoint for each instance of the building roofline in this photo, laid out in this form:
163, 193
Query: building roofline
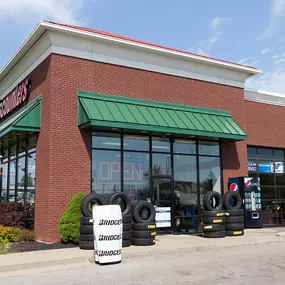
48, 25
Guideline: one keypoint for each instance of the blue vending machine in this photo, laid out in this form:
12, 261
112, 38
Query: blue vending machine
249, 189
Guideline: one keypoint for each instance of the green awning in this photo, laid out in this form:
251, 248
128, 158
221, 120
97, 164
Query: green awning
97, 110
26, 119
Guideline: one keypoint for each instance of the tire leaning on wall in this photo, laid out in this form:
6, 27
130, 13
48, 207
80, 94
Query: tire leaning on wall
88, 201
207, 201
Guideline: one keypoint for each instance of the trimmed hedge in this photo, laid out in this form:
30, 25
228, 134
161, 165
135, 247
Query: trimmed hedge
69, 225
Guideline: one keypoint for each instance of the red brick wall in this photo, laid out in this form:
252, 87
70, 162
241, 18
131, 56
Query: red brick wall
63, 158
265, 124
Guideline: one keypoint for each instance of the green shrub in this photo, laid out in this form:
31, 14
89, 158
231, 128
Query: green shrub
69, 225
26, 235
9, 234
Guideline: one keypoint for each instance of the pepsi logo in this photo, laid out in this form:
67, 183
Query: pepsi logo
247, 183
234, 187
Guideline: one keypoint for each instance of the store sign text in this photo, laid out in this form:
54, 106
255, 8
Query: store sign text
15, 98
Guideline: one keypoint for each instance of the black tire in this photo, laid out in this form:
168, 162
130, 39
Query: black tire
143, 241
234, 220
144, 212
126, 243
87, 237
90, 199
127, 227
235, 227
86, 221
143, 234
234, 213
213, 228
235, 196
207, 201
216, 213
235, 233
127, 234
213, 220
220, 234
144, 226
125, 203
86, 229
127, 218
86, 245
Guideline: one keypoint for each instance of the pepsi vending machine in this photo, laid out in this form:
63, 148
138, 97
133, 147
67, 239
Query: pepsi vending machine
249, 190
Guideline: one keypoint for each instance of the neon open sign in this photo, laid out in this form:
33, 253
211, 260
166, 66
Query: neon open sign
110, 171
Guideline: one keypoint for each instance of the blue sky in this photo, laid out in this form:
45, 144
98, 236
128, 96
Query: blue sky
249, 32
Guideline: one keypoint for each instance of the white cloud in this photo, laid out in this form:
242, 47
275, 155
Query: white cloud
276, 19
269, 81
215, 22
212, 40
64, 11
199, 51
265, 51
251, 61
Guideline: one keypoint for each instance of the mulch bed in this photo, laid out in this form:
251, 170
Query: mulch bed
34, 246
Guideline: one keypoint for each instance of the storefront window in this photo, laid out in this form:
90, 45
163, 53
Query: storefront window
136, 175
209, 148
126, 163
160, 145
4, 182
210, 174
22, 147
12, 181
269, 166
265, 153
107, 141
161, 164
21, 181
31, 180
32, 143
252, 152
106, 172
184, 146
185, 177
136, 143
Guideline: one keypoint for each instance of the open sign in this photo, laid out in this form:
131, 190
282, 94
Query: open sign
110, 171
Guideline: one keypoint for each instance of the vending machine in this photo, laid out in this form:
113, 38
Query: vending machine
249, 189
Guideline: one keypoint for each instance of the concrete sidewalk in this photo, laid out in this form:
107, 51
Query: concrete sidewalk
49, 260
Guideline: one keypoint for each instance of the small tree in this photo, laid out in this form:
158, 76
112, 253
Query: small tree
69, 224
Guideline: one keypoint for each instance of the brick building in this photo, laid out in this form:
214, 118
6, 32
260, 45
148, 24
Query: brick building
82, 110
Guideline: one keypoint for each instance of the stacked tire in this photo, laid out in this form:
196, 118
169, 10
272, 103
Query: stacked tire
234, 214
126, 205
86, 223
143, 233
213, 217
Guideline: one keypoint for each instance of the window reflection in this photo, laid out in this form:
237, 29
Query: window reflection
136, 143
184, 146
210, 173
12, 182
209, 148
4, 182
21, 181
160, 145
136, 175
31, 179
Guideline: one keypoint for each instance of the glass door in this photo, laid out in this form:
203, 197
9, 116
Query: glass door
161, 193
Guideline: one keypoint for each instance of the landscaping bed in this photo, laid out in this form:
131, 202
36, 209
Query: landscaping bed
31, 246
